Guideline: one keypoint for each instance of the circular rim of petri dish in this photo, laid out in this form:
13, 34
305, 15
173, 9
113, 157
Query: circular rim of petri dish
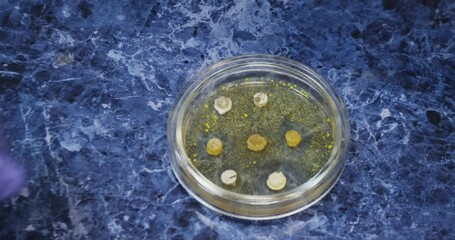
257, 207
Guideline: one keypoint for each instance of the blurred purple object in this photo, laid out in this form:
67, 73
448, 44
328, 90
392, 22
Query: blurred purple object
12, 177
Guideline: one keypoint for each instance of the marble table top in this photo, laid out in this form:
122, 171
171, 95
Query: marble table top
86, 86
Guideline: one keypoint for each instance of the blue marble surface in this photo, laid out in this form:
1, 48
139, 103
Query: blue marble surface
86, 86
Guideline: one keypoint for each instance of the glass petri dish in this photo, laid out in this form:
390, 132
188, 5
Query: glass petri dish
302, 124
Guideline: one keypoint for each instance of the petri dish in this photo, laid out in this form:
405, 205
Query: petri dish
258, 137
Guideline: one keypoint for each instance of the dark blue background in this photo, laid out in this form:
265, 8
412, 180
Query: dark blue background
85, 89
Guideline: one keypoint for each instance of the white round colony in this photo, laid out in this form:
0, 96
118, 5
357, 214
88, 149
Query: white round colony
223, 105
260, 99
276, 181
229, 177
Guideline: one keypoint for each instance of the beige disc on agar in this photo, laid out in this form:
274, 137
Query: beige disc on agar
214, 146
229, 177
260, 99
293, 138
222, 105
256, 142
276, 181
